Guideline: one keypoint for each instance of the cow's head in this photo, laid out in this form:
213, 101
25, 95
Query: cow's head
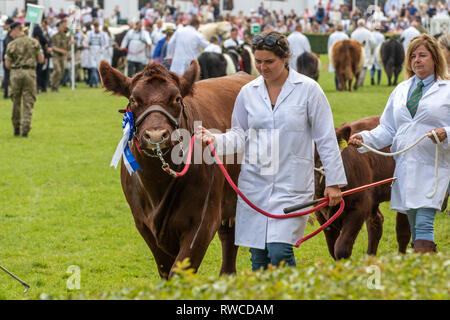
155, 98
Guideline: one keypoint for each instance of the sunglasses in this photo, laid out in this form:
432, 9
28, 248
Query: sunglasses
269, 40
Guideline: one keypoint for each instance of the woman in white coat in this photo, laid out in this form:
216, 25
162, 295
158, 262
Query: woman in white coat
417, 106
276, 119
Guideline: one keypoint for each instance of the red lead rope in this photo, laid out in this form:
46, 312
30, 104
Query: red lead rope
267, 214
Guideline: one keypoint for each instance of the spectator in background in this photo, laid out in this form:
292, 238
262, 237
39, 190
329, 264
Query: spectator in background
214, 46
364, 36
135, 42
185, 46
233, 41
376, 67
7, 39
412, 9
336, 36
298, 43
409, 34
320, 13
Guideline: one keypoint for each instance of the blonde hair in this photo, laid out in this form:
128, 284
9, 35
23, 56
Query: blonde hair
431, 44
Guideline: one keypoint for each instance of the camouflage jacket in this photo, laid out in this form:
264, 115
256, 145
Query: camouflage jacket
23, 52
61, 41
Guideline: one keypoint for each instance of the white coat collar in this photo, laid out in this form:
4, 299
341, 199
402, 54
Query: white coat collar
293, 78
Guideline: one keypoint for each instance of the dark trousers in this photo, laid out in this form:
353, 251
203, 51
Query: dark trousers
41, 77
134, 67
5, 83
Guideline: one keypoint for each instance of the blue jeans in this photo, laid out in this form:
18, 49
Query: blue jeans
93, 77
421, 223
274, 253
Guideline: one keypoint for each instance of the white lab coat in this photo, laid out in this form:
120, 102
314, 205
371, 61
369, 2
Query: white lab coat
185, 45
285, 176
137, 43
364, 36
415, 168
298, 43
97, 43
334, 37
379, 38
407, 35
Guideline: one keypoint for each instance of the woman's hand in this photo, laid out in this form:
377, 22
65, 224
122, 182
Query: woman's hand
204, 135
334, 194
440, 132
356, 140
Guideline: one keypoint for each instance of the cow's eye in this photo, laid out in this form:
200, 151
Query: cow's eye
178, 99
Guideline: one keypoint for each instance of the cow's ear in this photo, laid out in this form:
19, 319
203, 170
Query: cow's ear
113, 80
191, 75
344, 133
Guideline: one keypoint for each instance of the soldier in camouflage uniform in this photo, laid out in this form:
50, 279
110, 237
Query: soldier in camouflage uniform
61, 47
22, 56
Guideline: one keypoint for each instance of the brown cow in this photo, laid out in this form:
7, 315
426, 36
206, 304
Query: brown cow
361, 207
168, 211
347, 58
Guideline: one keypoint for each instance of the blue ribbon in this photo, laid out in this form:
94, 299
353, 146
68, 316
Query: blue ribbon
129, 118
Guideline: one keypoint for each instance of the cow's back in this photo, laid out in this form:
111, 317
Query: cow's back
213, 99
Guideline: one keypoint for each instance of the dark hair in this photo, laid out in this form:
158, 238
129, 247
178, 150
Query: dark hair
281, 47
195, 22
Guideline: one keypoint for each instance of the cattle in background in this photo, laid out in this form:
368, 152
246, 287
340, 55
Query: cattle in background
119, 58
219, 29
347, 58
361, 169
212, 65
392, 57
177, 217
308, 63
234, 58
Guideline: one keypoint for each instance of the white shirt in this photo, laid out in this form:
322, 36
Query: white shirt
232, 43
415, 168
364, 36
299, 43
136, 42
213, 48
379, 38
185, 45
407, 35
278, 150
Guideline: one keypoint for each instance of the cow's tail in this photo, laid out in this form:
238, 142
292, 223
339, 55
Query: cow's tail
346, 56
231, 68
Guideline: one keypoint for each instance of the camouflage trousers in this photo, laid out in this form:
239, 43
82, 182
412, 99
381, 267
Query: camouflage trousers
59, 64
23, 86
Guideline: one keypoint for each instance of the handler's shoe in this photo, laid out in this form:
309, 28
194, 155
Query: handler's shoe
424, 246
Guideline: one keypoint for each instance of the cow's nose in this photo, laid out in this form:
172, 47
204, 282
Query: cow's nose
157, 136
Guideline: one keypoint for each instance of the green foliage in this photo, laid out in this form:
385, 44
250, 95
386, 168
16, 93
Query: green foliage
404, 277
318, 42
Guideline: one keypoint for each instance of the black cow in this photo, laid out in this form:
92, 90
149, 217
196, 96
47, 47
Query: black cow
308, 64
212, 65
392, 57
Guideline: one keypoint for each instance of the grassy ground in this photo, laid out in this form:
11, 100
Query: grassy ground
62, 205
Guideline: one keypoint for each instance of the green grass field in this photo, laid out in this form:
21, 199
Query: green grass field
62, 205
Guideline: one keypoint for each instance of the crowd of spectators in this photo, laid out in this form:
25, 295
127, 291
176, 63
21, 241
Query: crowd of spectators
158, 16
